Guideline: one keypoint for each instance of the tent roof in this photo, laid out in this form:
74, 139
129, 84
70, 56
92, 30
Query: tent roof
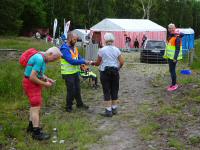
186, 30
137, 25
82, 31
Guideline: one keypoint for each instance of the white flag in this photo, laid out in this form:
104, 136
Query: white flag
54, 27
64, 25
66, 28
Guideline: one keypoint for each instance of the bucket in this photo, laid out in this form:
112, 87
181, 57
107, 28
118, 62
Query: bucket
186, 72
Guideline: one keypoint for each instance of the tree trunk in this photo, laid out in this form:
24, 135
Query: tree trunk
90, 3
149, 8
144, 10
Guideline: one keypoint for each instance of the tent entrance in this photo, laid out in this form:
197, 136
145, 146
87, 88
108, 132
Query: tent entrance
96, 38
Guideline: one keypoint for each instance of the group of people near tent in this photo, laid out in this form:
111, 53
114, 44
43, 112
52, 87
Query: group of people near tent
109, 60
136, 43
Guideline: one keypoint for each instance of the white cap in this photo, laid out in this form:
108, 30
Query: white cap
109, 37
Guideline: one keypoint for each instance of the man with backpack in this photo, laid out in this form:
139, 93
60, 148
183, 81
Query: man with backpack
33, 81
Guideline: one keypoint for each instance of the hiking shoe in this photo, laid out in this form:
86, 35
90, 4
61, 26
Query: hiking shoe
29, 129
114, 111
39, 135
69, 109
83, 106
107, 113
172, 87
95, 86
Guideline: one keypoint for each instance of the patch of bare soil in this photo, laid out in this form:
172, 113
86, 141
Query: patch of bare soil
121, 131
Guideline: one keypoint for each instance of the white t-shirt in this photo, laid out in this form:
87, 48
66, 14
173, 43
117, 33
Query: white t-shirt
109, 55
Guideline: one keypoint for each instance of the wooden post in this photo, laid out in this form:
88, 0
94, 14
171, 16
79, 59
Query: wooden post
191, 56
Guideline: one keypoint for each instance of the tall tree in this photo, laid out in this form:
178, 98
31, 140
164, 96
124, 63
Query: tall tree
159, 12
33, 15
127, 9
10, 12
196, 17
146, 7
85, 13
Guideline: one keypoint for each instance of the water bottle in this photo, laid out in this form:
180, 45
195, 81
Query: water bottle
55, 135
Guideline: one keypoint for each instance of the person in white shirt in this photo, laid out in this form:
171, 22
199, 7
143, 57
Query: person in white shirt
110, 60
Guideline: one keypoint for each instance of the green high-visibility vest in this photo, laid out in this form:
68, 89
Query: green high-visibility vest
171, 48
88, 74
66, 67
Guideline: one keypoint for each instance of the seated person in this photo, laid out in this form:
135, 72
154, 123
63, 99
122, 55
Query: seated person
86, 73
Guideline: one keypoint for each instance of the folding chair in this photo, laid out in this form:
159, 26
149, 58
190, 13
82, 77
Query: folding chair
87, 74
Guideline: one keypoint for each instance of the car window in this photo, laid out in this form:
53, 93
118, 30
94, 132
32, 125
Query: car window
155, 44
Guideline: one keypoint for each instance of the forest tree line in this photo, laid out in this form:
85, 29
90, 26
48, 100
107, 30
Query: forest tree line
19, 16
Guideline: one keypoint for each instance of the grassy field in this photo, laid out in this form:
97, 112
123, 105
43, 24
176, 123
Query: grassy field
172, 119
22, 43
75, 128
196, 64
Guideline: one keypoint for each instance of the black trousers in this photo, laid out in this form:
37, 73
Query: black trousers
110, 83
72, 82
172, 70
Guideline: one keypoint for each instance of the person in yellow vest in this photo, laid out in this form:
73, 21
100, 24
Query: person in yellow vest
173, 53
70, 68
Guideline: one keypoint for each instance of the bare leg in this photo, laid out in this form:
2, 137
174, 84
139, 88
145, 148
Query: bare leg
115, 102
114, 106
107, 104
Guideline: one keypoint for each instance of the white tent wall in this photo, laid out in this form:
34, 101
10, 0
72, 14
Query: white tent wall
134, 28
82, 33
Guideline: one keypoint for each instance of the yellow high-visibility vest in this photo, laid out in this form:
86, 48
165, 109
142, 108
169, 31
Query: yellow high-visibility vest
66, 67
171, 48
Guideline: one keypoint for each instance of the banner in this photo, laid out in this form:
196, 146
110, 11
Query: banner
66, 28
54, 27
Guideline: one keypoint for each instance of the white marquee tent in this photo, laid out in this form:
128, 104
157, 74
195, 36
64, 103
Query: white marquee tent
134, 28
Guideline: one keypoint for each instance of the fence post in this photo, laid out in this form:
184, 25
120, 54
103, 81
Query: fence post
91, 51
191, 56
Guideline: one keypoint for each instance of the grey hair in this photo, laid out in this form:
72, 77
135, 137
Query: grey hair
54, 50
109, 37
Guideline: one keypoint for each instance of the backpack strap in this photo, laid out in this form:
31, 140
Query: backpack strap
42, 55
43, 61
34, 54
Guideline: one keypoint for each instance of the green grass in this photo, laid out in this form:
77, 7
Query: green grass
168, 110
174, 142
194, 140
174, 113
147, 130
196, 63
22, 43
10, 79
76, 129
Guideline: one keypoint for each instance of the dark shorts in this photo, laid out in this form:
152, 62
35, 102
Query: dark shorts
110, 83
33, 91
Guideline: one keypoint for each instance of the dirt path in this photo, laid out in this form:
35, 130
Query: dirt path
121, 131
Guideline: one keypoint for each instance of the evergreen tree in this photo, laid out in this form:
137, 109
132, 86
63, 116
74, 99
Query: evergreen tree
10, 12
27, 15
33, 15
